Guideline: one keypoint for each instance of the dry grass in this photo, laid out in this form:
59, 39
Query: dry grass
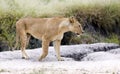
45, 8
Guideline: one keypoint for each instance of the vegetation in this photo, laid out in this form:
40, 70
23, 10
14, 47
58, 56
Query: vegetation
112, 39
99, 17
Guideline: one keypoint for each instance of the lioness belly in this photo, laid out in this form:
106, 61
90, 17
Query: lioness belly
35, 34
57, 37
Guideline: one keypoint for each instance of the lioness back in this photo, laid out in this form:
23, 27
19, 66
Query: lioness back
39, 27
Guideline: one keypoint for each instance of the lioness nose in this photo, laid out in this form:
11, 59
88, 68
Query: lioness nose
82, 31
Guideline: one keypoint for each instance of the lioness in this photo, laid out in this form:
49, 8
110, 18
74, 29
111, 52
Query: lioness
47, 30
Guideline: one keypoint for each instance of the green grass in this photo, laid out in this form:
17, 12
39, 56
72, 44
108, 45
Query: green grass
112, 39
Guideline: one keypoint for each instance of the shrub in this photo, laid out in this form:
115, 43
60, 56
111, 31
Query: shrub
102, 15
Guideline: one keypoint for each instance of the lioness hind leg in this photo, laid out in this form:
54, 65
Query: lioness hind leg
57, 49
28, 38
23, 40
45, 45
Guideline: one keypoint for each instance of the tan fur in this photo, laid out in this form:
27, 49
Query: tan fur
47, 30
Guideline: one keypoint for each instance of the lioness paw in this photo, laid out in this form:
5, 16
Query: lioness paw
61, 59
25, 58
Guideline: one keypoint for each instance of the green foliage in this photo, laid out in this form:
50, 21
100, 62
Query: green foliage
86, 39
105, 14
83, 39
7, 28
104, 18
112, 39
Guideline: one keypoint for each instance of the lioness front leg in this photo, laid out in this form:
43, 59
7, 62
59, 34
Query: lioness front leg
45, 45
23, 40
56, 44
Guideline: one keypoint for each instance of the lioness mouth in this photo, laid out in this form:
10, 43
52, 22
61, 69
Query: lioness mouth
77, 33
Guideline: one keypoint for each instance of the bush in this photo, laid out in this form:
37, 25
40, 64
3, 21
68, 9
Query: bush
102, 15
7, 29
112, 39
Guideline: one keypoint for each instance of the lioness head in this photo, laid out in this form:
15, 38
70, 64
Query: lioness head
75, 26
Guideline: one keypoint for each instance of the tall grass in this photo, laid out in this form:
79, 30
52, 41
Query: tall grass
45, 8
12, 10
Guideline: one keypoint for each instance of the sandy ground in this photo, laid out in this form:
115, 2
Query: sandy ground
93, 62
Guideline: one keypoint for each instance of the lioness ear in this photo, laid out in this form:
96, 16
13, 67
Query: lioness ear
71, 19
